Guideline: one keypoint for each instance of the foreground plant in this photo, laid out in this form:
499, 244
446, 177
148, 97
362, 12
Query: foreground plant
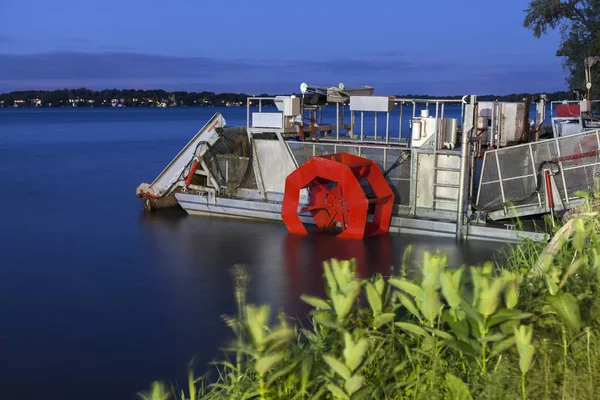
450, 333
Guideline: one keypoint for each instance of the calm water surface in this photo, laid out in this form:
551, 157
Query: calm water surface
98, 298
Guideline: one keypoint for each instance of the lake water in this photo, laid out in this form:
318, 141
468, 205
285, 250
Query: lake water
99, 298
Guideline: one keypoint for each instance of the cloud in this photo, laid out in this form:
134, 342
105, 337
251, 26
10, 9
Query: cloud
389, 73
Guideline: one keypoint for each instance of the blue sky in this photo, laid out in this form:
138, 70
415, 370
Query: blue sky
399, 47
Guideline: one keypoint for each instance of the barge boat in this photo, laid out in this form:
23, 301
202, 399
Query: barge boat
453, 168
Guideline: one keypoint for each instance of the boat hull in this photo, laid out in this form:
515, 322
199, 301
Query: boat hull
260, 210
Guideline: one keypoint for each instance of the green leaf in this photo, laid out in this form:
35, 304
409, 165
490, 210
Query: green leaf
316, 302
354, 352
409, 305
439, 333
380, 285
492, 338
526, 357
566, 306
477, 277
256, 319
433, 266
572, 269
267, 362
472, 314
409, 287
330, 278
550, 283
460, 328
324, 318
581, 194
343, 303
353, 384
511, 291
450, 287
337, 392
465, 347
281, 373
280, 335
499, 347
523, 336
580, 236
374, 299
508, 327
412, 328
458, 389
383, 319
344, 273
431, 305
504, 315
489, 297
337, 366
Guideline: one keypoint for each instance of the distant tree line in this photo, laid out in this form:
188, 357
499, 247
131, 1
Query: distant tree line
113, 97
160, 98
514, 97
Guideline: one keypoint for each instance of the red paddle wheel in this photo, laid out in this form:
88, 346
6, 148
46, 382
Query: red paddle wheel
336, 185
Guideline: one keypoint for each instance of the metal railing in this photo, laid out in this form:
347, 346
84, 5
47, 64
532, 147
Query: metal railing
511, 177
384, 156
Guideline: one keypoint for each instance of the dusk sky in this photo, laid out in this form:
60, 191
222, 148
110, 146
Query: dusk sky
399, 47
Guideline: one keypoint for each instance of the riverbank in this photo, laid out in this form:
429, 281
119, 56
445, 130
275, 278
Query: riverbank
161, 98
527, 327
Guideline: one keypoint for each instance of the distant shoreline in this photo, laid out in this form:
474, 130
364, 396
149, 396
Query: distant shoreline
160, 98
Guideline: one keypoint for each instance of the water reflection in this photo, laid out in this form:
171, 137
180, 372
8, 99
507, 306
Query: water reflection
282, 266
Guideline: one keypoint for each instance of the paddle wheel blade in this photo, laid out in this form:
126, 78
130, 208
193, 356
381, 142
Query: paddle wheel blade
337, 198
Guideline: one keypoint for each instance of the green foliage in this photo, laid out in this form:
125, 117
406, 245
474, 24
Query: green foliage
493, 331
579, 24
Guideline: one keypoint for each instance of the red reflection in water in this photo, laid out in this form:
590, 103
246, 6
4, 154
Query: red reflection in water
304, 257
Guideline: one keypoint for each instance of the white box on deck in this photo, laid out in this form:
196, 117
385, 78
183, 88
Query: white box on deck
267, 120
372, 103
512, 122
505, 118
289, 105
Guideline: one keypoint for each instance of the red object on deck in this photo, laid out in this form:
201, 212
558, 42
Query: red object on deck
188, 180
337, 197
549, 191
568, 110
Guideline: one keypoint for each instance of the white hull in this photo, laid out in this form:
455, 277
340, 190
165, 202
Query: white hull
271, 211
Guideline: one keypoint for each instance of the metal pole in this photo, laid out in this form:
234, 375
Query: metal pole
387, 128
352, 123
248, 115
534, 172
437, 129
492, 134
260, 105
385, 158
337, 121
376, 120
500, 123
464, 166
362, 125
400, 124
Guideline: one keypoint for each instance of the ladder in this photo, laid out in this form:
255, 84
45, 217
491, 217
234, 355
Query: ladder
446, 181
